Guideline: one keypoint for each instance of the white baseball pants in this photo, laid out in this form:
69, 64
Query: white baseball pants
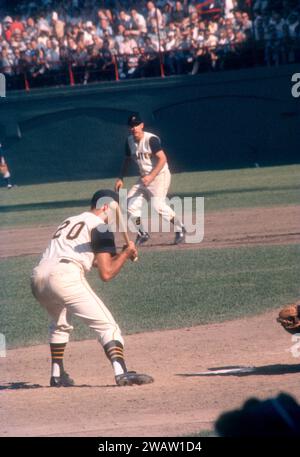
158, 188
63, 290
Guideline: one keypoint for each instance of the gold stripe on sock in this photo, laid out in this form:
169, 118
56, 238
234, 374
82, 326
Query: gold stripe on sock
114, 357
115, 349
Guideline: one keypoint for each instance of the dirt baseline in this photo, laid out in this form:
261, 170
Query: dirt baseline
235, 227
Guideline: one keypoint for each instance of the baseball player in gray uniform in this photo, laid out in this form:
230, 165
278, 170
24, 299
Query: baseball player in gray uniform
144, 148
58, 283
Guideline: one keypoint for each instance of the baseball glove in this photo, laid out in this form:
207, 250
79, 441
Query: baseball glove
289, 317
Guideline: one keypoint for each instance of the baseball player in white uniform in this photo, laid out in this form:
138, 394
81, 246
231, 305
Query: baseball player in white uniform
58, 283
4, 170
144, 148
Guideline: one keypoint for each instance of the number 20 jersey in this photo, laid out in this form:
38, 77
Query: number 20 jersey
78, 238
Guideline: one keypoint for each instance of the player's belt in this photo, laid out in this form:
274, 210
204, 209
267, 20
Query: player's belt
65, 261
72, 261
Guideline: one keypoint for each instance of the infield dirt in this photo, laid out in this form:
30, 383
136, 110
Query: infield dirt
235, 227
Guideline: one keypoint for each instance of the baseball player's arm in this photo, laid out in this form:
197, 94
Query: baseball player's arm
108, 266
119, 181
106, 259
124, 168
161, 161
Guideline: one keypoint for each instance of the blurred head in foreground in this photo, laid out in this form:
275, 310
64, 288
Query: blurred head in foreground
278, 416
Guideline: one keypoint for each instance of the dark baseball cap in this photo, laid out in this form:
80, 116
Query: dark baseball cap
105, 195
134, 120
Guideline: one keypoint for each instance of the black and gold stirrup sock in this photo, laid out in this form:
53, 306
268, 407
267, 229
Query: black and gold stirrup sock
114, 351
139, 225
57, 356
178, 225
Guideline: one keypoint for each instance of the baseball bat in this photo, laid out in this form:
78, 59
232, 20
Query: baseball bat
122, 227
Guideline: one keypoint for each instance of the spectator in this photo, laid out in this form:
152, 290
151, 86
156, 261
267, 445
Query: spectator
273, 48
103, 29
293, 23
108, 67
125, 20
133, 63
154, 13
31, 29
37, 68
88, 34
138, 21
52, 55
119, 37
166, 14
7, 22
80, 27
94, 65
126, 47
228, 8
259, 31
17, 25
42, 39
58, 26
246, 25
178, 14
43, 24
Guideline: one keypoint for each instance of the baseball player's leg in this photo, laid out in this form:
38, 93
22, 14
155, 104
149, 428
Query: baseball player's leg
80, 300
135, 201
43, 291
64, 292
59, 329
7, 179
90, 308
159, 189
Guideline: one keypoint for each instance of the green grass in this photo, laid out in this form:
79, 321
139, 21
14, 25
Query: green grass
50, 203
165, 290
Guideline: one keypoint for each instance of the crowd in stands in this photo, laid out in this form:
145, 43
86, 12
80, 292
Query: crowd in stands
46, 42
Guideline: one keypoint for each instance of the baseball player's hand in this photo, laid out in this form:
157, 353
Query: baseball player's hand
131, 251
146, 180
118, 184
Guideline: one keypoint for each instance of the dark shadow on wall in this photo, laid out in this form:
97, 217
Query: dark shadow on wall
69, 145
230, 131
228, 121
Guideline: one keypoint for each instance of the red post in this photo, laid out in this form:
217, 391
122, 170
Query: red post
116, 67
71, 76
27, 87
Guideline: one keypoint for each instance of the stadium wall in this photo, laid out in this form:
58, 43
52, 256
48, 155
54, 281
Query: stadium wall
211, 121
